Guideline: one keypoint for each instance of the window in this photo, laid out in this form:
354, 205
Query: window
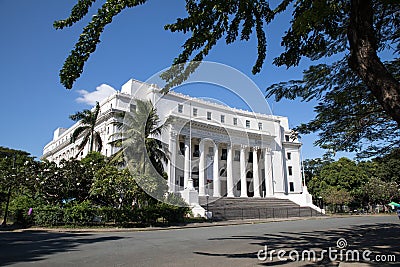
224, 154
180, 108
247, 124
108, 130
291, 186
211, 150
287, 138
222, 118
234, 121
196, 151
260, 126
222, 172
106, 152
182, 147
289, 155
208, 115
237, 155
132, 107
290, 169
250, 157
181, 181
194, 112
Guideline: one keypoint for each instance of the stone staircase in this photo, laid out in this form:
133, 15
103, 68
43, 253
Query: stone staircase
254, 208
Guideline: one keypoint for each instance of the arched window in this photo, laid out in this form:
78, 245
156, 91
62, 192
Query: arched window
249, 174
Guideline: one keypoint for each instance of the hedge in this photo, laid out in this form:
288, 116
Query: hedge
85, 214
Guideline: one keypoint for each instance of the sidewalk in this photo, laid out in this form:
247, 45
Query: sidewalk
184, 226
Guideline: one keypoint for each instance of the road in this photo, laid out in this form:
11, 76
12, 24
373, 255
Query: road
234, 245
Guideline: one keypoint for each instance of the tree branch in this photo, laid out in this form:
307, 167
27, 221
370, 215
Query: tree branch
365, 61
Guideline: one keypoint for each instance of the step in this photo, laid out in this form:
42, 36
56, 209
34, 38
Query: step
254, 208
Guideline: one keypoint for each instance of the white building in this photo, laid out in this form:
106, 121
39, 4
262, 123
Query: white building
233, 153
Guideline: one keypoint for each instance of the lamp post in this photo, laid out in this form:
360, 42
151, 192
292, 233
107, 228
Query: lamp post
320, 203
207, 197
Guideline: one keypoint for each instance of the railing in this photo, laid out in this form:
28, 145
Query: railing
262, 213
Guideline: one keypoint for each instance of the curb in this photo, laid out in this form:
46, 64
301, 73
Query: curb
178, 227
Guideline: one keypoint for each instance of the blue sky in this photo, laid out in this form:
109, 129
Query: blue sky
135, 45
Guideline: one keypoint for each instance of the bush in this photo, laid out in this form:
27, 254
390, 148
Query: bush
86, 214
19, 208
172, 214
82, 213
48, 215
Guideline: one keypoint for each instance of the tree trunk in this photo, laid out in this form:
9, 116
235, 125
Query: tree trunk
365, 61
7, 204
91, 141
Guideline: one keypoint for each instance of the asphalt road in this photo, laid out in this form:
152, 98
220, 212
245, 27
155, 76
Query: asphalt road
234, 245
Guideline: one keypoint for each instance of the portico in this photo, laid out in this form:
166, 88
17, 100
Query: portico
220, 166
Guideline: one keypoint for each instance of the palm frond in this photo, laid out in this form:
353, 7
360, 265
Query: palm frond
78, 131
85, 140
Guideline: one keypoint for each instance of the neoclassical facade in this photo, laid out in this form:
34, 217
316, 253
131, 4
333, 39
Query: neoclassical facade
215, 150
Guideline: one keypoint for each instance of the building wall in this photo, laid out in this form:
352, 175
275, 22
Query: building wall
271, 135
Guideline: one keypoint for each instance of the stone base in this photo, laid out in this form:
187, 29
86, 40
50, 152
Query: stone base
191, 196
303, 200
198, 211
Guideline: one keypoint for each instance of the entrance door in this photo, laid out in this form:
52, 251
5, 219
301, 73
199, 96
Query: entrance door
250, 189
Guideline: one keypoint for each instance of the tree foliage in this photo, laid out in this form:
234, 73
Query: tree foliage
88, 121
74, 191
114, 188
367, 182
336, 196
380, 192
137, 138
358, 96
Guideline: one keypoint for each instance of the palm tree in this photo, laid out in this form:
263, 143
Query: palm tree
87, 119
137, 137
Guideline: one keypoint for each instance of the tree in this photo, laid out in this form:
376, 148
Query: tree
87, 120
336, 197
343, 174
313, 167
353, 30
114, 188
377, 191
138, 138
388, 167
14, 172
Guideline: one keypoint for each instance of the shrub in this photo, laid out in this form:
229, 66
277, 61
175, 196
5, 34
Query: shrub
48, 215
82, 213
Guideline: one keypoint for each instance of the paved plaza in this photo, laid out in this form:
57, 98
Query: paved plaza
228, 245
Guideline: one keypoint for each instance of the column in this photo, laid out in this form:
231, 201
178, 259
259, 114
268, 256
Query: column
229, 172
243, 182
202, 169
256, 178
269, 182
172, 162
217, 189
186, 166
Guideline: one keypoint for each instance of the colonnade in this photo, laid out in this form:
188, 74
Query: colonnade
216, 179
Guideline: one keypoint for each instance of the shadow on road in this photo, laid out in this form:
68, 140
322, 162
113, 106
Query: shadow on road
36, 245
379, 238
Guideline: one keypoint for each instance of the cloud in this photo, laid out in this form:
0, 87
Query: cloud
101, 93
